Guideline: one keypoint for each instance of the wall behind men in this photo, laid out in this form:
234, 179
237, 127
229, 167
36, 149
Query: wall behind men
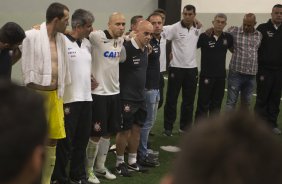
30, 12
235, 11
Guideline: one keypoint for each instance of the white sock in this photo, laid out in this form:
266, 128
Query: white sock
120, 159
91, 153
104, 145
132, 158
49, 164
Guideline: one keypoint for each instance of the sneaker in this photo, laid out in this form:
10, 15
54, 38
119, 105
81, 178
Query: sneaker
92, 178
122, 170
181, 131
167, 133
148, 162
153, 154
136, 167
276, 131
105, 173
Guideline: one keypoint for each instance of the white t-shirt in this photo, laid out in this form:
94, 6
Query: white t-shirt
184, 44
105, 67
80, 71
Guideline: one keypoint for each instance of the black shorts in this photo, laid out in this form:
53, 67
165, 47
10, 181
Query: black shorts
106, 115
78, 120
132, 113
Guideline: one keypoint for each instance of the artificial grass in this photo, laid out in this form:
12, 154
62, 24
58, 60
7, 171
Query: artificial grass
166, 158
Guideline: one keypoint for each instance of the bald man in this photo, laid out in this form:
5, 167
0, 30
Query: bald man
106, 100
132, 88
244, 62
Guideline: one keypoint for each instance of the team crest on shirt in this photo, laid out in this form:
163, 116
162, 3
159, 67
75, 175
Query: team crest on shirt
270, 34
97, 126
197, 32
206, 81
67, 110
261, 78
126, 108
225, 42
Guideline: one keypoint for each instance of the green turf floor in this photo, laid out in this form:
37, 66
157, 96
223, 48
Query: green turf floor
166, 158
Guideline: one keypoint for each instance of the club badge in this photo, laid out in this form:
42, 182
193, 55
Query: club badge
126, 108
67, 110
97, 126
224, 42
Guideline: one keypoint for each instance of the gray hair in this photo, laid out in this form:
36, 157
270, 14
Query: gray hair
221, 15
81, 17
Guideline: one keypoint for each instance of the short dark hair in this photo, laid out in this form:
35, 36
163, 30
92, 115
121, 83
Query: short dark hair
23, 127
133, 19
154, 14
81, 17
277, 6
233, 148
190, 7
55, 10
11, 33
159, 10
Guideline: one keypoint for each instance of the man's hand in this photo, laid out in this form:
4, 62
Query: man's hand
17, 54
209, 31
198, 23
150, 49
94, 83
36, 27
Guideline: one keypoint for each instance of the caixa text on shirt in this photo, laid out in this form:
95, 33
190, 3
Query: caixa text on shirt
111, 54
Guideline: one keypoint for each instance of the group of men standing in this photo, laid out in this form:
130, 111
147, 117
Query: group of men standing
97, 83
256, 54
94, 84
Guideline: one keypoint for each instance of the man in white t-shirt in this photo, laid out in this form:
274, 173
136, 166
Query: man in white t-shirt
183, 72
106, 112
77, 102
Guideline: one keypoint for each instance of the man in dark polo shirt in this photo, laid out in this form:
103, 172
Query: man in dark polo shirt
212, 76
11, 36
152, 94
269, 83
132, 95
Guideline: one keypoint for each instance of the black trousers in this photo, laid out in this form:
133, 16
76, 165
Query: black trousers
185, 78
161, 89
73, 147
269, 86
210, 95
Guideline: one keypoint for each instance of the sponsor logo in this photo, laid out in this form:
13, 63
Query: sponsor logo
111, 54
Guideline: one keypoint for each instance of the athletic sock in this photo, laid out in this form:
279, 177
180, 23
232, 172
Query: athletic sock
104, 145
120, 159
132, 158
91, 153
49, 164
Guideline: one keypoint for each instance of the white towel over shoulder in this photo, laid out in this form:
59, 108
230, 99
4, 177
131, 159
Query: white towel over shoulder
36, 59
